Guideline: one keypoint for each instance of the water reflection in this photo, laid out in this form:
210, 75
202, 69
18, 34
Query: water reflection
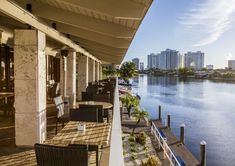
206, 107
163, 81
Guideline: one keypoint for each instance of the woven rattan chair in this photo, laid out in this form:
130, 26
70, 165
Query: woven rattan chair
91, 148
49, 155
84, 114
100, 112
104, 97
62, 116
87, 96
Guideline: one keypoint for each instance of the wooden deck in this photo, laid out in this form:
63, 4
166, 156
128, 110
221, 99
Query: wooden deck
176, 146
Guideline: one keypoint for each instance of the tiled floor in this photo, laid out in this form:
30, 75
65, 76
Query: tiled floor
18, 156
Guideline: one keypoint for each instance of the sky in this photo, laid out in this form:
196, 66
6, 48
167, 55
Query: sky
187, 25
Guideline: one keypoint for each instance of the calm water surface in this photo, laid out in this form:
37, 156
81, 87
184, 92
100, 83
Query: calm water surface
206, 108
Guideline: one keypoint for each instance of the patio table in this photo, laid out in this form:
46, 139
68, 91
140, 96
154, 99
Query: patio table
105, 105
94, 134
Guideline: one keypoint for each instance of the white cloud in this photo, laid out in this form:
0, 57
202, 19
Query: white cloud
228, 56
209, 19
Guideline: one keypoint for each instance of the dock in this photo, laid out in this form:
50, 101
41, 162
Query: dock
177, 147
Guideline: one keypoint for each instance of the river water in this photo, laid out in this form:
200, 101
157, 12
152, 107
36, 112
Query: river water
207, 109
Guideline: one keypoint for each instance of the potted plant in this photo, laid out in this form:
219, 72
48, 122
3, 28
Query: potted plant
151, 161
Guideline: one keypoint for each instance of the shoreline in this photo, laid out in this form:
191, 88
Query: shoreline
193, 77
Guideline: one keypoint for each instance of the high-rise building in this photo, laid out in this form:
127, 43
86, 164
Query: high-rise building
209, 67
141, 66
231, 64
169, 59
136, 61
153, 61
194, 60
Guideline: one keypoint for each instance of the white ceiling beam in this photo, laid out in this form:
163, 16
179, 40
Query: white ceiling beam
13, 10
111, 54
88, 44
119, 9
92, 36
110, 59
102, 50
98, 44
77, 20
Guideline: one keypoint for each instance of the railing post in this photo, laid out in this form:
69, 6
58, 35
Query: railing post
169, 120
182, 138
203, 153
160, 113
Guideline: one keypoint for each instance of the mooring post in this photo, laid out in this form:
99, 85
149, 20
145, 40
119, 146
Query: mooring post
182, 138
160, 113
203, 153
169, 120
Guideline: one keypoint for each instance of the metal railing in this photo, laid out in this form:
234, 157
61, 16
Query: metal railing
162, 142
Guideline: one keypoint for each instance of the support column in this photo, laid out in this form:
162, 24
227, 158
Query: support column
30, 87
63, 73
71, 77
91, 70
97, 71
82, 74
101, 72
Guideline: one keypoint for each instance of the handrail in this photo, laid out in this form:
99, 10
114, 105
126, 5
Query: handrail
166, 149
116, 150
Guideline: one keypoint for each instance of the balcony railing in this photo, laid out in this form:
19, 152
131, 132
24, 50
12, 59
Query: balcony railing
116, 150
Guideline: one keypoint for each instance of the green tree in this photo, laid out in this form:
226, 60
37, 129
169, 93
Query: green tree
128, 70
130, 101
109, 71
139, 114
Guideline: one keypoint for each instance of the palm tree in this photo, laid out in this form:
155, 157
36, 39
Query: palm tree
139, 114
109, 71
128, 70
130, 101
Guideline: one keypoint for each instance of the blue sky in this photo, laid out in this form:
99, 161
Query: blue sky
188, 25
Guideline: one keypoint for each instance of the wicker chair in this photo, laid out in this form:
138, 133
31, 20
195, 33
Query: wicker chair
87, 96
105, 97
92, 89
100, 115
62, 116
91, 148
49, 155
84, 114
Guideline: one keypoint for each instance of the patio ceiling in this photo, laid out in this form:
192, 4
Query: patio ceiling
104, 28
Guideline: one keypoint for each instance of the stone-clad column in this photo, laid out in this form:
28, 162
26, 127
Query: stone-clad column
101, 74
30, 87
82, 74
63, 75
91, 70
71, 77
97, 71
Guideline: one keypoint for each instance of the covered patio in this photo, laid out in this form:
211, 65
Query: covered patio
52, 48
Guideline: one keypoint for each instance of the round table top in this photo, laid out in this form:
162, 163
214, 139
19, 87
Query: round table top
105, 105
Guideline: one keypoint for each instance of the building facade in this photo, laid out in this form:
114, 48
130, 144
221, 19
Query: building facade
194, 60
136, 61
153, 61
209, 67
169, 59
231, 64
141, 66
